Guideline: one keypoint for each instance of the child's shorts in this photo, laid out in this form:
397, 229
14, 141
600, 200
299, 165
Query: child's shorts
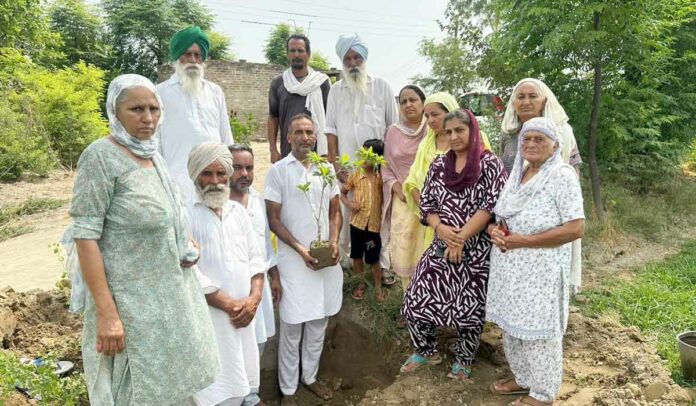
367, 243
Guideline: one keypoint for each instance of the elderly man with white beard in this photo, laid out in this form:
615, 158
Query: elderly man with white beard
232, 272
196, 108
360, 107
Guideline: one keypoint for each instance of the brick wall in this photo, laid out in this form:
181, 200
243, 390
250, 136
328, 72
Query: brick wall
245, 85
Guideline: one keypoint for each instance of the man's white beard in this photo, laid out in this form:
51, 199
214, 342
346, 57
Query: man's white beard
356, 81
190, 77
214, 196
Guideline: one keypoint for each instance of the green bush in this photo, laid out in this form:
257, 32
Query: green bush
24, 146
68, 104
243, 130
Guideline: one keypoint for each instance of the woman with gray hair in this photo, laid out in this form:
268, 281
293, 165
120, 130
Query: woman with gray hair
147, 335
539, 213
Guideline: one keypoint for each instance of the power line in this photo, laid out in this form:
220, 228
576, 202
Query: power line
316, 29
404, 25
371, 12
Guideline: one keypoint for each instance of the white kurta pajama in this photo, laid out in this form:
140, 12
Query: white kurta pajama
309, 296
190, 121
230, 257
354, 121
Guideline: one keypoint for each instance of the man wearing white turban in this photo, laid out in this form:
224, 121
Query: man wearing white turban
232, 269
360, 107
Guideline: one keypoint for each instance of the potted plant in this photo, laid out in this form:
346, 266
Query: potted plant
319, 248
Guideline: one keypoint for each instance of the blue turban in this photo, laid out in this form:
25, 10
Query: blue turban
347, 42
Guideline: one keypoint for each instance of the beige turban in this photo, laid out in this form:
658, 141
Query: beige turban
205, 154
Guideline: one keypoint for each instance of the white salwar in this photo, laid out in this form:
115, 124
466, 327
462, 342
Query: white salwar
264, 321
190, 121
354, 121
309, 297
230, 257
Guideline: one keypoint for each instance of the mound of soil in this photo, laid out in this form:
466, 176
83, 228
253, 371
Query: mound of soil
37, 323
605, 364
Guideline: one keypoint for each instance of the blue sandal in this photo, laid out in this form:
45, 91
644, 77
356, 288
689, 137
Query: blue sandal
419, 360
457, 369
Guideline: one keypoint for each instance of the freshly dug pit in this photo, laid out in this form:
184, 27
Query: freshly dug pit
351, 364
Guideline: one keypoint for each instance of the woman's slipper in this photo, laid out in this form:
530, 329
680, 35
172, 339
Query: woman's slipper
62, 367
388, 277
459, 371
416, 361
503, 387
529, 401
359, 292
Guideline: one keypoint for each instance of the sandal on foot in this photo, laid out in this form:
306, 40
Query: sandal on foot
506, 390
320, 390
529, 401
380, 298
388, 277
359, 292
459, 371
418, 361
288, 400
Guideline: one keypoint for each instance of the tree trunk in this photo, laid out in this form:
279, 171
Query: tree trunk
592, 136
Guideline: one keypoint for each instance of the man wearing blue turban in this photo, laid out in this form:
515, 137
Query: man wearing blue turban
196, 108
360, 107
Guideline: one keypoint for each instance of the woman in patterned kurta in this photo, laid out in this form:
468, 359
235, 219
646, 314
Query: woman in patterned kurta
449, 285
531, 261
147, 335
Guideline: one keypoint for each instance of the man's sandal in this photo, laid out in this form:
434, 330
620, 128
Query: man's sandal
416, 361
503, 387
459, 372
388, 277
529, 401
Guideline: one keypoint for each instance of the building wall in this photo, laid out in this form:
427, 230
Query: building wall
245, 85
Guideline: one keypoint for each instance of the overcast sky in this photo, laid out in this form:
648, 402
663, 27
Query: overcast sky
391, 28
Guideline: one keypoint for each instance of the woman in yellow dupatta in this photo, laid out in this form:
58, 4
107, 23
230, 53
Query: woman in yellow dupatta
435, 143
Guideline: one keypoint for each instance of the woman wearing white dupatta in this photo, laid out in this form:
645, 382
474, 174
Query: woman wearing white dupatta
539, 213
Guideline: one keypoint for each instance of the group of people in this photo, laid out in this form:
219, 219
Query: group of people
176, 275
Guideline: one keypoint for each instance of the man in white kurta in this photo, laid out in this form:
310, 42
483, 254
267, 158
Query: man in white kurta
195, 108
242, 192
232, 267
310, 295
360, 107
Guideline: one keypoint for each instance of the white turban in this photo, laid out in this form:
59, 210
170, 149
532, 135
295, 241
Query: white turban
347, 42
205, 154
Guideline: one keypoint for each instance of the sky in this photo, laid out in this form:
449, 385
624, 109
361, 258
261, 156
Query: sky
392, 29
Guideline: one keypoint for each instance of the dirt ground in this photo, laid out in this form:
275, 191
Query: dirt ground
605, 363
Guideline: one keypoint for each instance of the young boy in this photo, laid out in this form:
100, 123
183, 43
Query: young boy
366, 219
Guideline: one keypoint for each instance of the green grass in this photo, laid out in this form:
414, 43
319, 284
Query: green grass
653, 216
69, 391
660, 300
9, 214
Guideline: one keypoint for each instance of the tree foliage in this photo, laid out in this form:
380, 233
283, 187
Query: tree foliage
82, 36
220, 47
24, 27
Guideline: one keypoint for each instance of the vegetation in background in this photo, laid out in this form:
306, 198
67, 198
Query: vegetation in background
659, 300
276, 53
243, 130
9, 215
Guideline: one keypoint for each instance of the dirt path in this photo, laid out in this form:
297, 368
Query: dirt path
29, 261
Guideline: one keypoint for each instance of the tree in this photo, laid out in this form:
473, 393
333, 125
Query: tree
319, 62
140, 30
24, 27
81, 33
220, 47
274, 50
453, 70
